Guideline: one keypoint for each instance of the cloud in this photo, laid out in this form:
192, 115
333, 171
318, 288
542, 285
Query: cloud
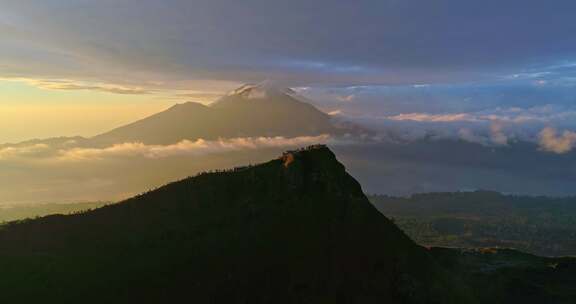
186, 147
357, 43
470, 136
513, 115
451, 99
489, 127
497, 134
31, 151
67, 85
425, 117
197, 95
557, 143
47, 153
346, 98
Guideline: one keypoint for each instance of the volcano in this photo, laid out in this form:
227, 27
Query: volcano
250, 111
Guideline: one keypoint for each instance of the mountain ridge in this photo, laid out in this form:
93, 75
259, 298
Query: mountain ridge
296, 229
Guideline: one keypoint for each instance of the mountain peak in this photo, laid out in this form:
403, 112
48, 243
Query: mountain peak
318, 152
316, 149
187, 105
260, 90
254, 110
263, 94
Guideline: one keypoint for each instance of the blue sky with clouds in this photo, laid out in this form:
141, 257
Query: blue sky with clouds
383, 57
310, 42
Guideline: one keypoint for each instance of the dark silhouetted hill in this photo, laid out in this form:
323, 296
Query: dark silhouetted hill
13, 212
297, 229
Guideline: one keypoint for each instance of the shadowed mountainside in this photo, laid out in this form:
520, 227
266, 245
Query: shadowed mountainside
297, 229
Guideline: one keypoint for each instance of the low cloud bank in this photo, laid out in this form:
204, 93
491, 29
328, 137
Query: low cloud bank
495, 127
46, 152
71, 85
548, 127
20, 152
187, 147
552, 141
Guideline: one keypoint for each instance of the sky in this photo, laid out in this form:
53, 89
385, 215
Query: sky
80, 67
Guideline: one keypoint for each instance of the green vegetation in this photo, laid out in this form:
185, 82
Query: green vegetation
539, 225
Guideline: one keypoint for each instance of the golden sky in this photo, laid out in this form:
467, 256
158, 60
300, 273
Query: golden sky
27, 111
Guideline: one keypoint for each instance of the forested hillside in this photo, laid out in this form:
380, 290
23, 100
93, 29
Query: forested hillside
297, 229
540, 225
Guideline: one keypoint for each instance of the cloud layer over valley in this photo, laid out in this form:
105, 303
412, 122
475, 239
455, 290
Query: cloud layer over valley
42, 152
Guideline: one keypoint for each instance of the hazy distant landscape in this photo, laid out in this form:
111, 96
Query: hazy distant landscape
539, 225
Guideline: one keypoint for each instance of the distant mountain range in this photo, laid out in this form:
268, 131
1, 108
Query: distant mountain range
536, 224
